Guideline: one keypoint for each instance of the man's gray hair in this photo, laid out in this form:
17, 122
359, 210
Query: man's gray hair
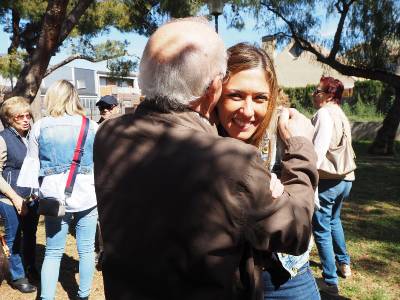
185, 77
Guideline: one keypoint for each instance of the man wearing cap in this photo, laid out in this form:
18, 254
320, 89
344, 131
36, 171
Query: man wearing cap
108, 106
181, 208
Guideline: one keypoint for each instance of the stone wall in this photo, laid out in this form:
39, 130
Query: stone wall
367, 130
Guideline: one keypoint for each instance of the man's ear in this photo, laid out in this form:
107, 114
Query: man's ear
206, 103
214, 90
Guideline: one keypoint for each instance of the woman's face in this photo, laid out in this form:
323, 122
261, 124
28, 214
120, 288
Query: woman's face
244, 103
320, 97
21, 122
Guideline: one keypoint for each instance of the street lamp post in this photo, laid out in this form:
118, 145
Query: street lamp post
215, 8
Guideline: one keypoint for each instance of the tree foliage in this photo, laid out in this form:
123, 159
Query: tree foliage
40, 28
366, 42
11, 65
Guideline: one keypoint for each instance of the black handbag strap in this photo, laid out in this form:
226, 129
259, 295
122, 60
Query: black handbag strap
76, 160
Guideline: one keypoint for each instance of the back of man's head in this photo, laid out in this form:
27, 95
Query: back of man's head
180, 60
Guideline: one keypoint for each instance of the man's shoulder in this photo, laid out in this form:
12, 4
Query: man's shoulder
227, 143
113, 125
135, 129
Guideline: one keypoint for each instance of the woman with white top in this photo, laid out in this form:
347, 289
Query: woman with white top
17, 208
50, 151
331, 127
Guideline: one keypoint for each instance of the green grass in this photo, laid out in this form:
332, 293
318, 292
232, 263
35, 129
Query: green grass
371, 219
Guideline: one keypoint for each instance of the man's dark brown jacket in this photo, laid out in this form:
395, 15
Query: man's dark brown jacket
181, 208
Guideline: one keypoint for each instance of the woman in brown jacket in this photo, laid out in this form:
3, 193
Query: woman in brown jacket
248, 111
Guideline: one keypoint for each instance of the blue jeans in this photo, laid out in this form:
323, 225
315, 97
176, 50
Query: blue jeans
56, 234
14, 224
327, 227
301, 287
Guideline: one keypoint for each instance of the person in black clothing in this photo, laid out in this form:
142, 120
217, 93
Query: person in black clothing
108, 106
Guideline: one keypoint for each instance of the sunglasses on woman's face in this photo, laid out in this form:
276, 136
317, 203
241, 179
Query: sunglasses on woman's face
318, 91
22, 117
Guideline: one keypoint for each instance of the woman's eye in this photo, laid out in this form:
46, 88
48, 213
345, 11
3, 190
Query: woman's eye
235, 96
261, 98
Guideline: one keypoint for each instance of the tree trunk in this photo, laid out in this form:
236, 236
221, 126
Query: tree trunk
384, 140
33, 72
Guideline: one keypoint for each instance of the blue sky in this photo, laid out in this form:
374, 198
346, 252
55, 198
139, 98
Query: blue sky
137, 42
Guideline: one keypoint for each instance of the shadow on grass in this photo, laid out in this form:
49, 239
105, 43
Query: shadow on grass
372, 265
324, 296
68, 268
377, 181
377, 177
313, 263
366, 225
373, 209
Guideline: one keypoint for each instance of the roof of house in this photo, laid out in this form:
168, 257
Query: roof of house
107, 73
296, 68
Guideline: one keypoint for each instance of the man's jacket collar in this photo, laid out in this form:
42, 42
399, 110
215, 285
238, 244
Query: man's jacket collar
187, 118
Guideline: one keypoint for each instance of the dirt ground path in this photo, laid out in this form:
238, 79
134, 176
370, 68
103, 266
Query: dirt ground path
67, 285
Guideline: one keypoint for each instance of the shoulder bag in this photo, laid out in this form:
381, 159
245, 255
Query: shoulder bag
339, 160
51, 206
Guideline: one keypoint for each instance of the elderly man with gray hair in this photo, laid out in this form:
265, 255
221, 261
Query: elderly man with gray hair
182, 209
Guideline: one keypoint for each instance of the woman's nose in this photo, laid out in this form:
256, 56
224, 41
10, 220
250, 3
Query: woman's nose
248, 108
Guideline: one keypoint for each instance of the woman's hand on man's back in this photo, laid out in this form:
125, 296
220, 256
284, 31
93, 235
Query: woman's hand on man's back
292, 123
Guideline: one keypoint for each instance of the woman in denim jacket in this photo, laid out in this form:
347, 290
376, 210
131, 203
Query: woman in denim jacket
247, 111
51, 147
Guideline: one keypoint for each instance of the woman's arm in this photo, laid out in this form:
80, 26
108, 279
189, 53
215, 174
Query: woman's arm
323, 125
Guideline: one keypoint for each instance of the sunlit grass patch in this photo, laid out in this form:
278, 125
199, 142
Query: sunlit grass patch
371, 220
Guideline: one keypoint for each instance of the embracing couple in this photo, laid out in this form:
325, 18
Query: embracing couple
188, 205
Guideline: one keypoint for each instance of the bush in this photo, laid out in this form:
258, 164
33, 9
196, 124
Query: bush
301, 98
370, 101
367, 91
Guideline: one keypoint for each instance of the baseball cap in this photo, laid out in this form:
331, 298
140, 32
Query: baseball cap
107, 100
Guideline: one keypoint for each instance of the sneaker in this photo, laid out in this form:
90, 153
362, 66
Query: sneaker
331, 290
344, 270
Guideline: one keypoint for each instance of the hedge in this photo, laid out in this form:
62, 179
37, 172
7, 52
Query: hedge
370, 99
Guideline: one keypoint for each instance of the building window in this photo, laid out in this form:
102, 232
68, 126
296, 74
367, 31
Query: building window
80, 84
295, 50
103, 81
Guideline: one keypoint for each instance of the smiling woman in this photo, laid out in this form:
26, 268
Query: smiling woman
249, 94
245, 100
248, 112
